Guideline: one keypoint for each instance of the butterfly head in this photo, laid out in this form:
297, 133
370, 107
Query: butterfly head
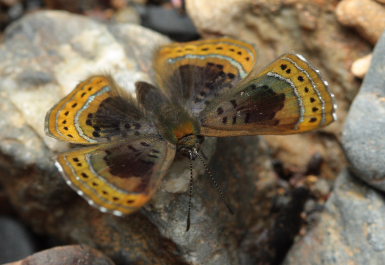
189, 145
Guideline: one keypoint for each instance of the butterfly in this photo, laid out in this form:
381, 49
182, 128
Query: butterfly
202, 88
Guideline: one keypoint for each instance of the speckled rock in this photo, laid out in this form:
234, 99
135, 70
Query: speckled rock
80, 255
351, 229
363, 137
16, 242
307, 27
366, 16
43, 57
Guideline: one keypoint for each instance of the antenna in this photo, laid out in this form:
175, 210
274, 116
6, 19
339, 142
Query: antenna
189, 197
215, 184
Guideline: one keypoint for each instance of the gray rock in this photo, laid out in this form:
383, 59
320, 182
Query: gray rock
350, 231
363, 136
43, 57
15, 241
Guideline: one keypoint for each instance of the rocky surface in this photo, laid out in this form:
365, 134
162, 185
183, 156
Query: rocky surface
275, 183
351, 229
366, 16
15, 241
43, 57
307, 27
364, 139
80, 255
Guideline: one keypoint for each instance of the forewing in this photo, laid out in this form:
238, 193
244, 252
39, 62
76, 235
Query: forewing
117, 177
289, 96
96, 111
193, 73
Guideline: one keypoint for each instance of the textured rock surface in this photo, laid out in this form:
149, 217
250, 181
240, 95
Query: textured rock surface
350, 231
43, 57
363, 138
80, 255
366, 16
307, 27
15, 241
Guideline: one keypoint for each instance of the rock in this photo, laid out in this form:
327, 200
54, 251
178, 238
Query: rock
43, 57
366, 16
307, 27
168, 21
361, 66
363, 137
351, 229
16, 242
81, 255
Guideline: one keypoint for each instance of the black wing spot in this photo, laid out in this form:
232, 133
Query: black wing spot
219, 110
65, 128
90, 115
104, 192
288, 71
247, 58
312, 99
66, 113
219, 48
115, 199
224, 120
205, 49
83, 94
89, 122
130, 201
94, 184
315, 109
70, 135
231, 75
79, 164
127, 126
239, 53
74, 105
64, 122
90, 88
234, 119
300, 78
313, 119
231, 49
137, 126
283, 66
219, 66
75, 159
96, 134
84, 175
306, 89
144, 144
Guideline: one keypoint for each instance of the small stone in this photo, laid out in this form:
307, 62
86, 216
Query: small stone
366, 16
82, 255
361, 66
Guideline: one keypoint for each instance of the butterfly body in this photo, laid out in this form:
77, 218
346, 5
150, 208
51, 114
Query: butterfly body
202, 88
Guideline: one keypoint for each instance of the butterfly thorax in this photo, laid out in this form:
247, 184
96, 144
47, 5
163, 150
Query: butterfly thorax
181, 129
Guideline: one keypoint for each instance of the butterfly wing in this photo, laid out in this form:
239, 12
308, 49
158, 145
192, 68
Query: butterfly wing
288, 96
117, 177
193, 73
96, 111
